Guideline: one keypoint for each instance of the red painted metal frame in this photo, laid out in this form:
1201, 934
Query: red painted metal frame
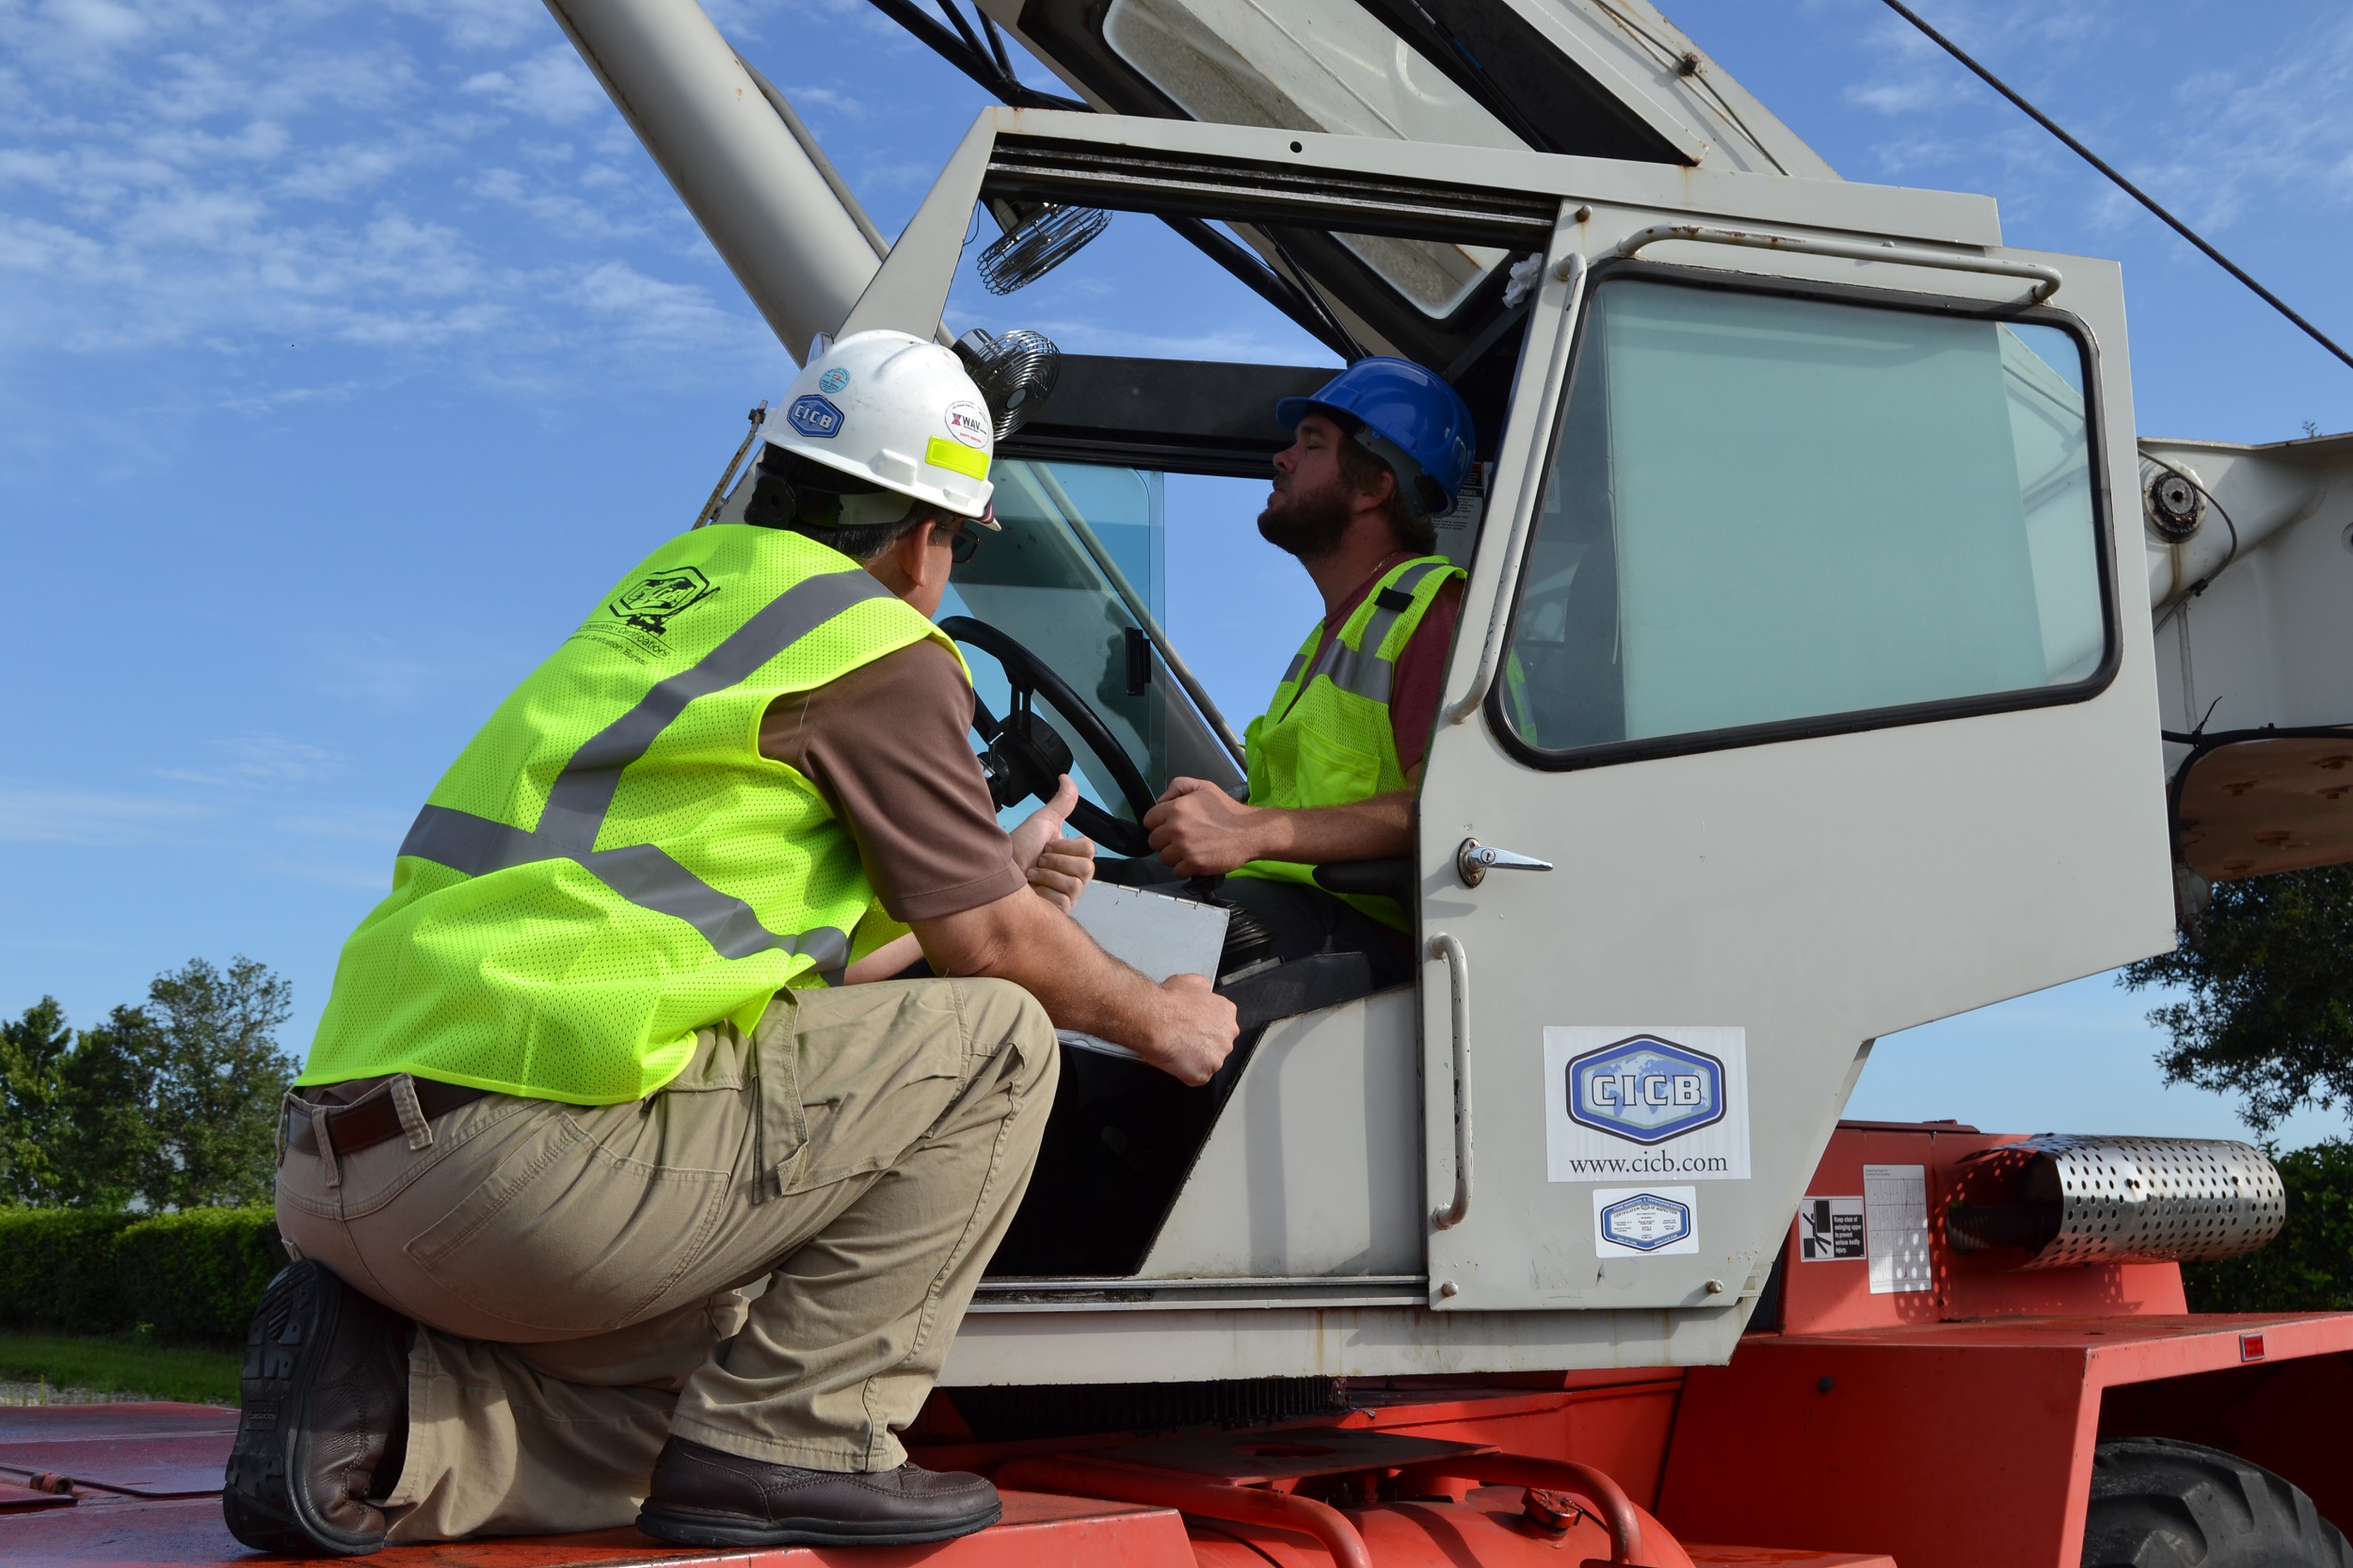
1955, 1426
1958, 1445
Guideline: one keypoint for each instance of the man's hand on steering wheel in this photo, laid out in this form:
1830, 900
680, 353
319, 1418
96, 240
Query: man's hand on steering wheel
1058, 869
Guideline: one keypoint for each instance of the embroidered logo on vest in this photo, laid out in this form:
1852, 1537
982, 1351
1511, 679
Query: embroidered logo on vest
653, 600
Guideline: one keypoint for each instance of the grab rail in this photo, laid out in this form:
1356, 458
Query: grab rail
1457, 995
2045, 279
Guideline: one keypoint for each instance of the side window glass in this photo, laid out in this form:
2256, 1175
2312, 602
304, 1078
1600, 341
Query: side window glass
1037, 583
1765, 509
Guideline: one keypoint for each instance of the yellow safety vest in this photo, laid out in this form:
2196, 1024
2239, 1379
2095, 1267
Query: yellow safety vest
611, 864
1325, 739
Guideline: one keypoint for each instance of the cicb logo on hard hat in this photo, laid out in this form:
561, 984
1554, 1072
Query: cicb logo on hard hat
814, 417
898, 411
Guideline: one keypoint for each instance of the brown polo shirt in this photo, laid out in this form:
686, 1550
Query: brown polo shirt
889, 746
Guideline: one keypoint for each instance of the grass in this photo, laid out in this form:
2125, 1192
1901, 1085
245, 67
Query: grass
122, 1364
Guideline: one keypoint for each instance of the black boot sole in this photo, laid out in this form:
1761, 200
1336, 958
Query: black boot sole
263, 1506
707, 1529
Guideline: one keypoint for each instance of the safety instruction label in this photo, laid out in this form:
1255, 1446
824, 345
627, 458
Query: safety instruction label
1645, 1222
1895, 1227
1829, 1230
1634, 1103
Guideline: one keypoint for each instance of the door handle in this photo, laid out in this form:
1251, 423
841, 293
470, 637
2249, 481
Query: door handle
1457, 995
1473, 860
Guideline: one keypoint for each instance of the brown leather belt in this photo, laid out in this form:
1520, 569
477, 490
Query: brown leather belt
349, 1128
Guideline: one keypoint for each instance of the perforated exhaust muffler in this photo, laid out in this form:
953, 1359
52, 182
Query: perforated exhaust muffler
2065, 1199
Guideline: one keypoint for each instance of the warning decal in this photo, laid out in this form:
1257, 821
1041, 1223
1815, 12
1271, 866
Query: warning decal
1829, 1230
1895, 1227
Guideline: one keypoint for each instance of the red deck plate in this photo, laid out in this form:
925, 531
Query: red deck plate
189, 1534
152, 1466
15, 1498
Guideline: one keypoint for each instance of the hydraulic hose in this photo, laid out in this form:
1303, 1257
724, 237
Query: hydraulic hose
1555, 1475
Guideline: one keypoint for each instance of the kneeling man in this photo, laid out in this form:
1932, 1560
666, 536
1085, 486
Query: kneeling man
606, 1183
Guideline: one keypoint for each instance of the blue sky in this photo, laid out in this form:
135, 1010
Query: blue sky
348, 350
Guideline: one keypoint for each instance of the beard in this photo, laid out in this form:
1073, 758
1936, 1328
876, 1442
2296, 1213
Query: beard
1308, 525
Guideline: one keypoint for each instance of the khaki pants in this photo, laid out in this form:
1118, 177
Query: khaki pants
579, 1273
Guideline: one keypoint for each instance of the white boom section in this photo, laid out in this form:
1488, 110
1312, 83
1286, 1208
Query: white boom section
764, 203
2268, 637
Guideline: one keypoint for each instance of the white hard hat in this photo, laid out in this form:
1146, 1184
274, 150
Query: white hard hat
898, 411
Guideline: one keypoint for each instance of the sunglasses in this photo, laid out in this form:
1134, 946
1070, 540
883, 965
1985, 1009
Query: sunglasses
965, 542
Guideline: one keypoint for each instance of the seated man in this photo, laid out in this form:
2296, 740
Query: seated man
592, 1070
1381, 449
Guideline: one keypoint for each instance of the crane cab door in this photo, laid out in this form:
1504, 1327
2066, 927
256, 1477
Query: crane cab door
1819, 678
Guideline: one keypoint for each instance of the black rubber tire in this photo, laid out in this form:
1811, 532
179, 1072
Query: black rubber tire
2158, 1503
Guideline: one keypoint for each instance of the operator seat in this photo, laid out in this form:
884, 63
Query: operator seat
1123, 1135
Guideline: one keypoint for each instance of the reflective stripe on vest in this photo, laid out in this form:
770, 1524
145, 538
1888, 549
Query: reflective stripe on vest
576, 807
611, 864
1325, 740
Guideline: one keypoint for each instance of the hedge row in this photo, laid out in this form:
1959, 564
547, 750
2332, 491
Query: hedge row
189, 1277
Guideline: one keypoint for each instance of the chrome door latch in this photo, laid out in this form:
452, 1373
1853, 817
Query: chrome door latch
1474, 860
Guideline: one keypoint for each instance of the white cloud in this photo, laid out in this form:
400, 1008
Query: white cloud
677, 314
552, 85
389, 179
483, 23
89, 817
262, 761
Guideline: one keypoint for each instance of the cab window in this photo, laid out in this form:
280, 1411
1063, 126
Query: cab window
1770, 514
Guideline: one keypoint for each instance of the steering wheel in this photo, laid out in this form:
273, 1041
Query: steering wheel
1025, 753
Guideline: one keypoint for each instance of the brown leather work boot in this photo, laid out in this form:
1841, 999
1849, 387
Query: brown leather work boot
704, 1498
325, 1423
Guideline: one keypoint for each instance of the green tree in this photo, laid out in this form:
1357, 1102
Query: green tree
32, 1050
221, 1080
107, 1146
173, 1104
2268, 1014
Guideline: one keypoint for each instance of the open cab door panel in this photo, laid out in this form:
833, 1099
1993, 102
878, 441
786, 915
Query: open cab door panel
1809, 672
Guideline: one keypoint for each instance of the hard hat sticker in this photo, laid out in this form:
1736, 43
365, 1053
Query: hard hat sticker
834, 380
960, 459
1645, 1222
968, 423
813, 416
1633, 1102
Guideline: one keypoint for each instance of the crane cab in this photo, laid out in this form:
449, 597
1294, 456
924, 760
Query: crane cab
1794, 644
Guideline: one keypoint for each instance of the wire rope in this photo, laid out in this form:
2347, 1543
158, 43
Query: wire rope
2122, 184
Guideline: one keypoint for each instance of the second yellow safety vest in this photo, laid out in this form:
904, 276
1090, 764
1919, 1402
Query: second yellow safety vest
1325, 739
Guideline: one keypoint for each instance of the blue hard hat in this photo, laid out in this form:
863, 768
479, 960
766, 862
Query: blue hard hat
1414, 421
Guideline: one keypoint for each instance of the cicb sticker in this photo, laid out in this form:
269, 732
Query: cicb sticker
1645, 1222
834, 383
1630, 1103
1829, 1230
968, 423
814, 416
